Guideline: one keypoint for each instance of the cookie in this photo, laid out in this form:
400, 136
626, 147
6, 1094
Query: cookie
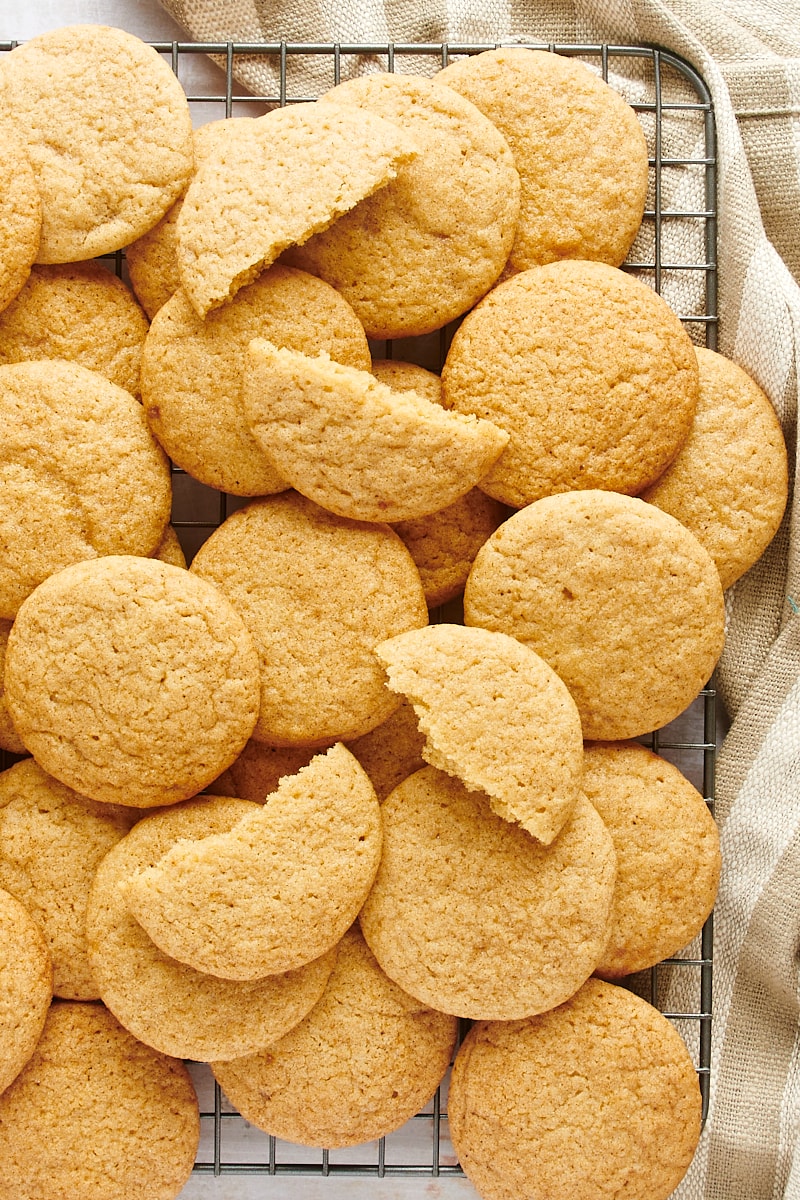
26, 978
96, 1114
408, 377
169, 549
164, 1003
421, 251
81, 476
392, 752
619, 598
259, 769
20, 218
51, 843
597, 1098
9, 738
295, 171
317, 593
588, 370
277, 890
192, 371
107, 128
365, 1059
79, 312
496, 716
472, 915
131, 681
356, 447
668, 857
577, 145
729, 482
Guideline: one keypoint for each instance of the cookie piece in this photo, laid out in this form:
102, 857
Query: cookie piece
80, 474
131, 681
164, 1003
79, 312
96, 1114
408, 377
365, 1060
291, 175
20, 217
107, 128
259, 769
597, 1097
729, 482
169, 549
355, 446
26, 979
588, 370
472, 915
668, 857
619, 598
392, 752
9, 738
317, 593
420, 252
577, 145
192, 371
496, 716
277, 890
51, 843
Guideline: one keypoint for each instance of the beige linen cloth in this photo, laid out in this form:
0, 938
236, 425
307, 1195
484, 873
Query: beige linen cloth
748, 51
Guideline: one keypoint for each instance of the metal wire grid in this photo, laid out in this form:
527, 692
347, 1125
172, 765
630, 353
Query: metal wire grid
672, 87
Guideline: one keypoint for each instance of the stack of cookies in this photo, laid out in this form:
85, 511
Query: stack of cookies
269, 813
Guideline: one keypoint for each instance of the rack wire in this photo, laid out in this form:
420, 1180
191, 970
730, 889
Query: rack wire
675, 253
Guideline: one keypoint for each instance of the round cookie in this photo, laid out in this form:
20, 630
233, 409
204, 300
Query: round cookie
20, 218
26, 979
169, 549
107, 128
356, 447
597, 1098
80, 475
623, 603
79, 312
392, 752
9, 738
97, 1114
277, 890
131, 681
51, 843
164, 1003
588, 370
472, 915
496, 716
363, 1062
729, 482
259, 769
423, 250
192, 371
578, 146
668, 858
317, 593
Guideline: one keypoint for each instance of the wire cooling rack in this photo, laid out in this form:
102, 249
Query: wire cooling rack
675, 253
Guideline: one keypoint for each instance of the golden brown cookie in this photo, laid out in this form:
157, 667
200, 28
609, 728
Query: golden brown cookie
619, 598
597, 1098
392, 751
192, 371
259, 769
420, 252
26, 986
162, 1002
365, 1059
97, 1115
408, 377
169, 549
80, 474
107, 127
668, 857
9, 738
51, 843
496, 716
588, 370
472, 915
79, 312
317, 593
729, 482
20, 217
277, 890
356, 447
578, 146
131, 681
291, 175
